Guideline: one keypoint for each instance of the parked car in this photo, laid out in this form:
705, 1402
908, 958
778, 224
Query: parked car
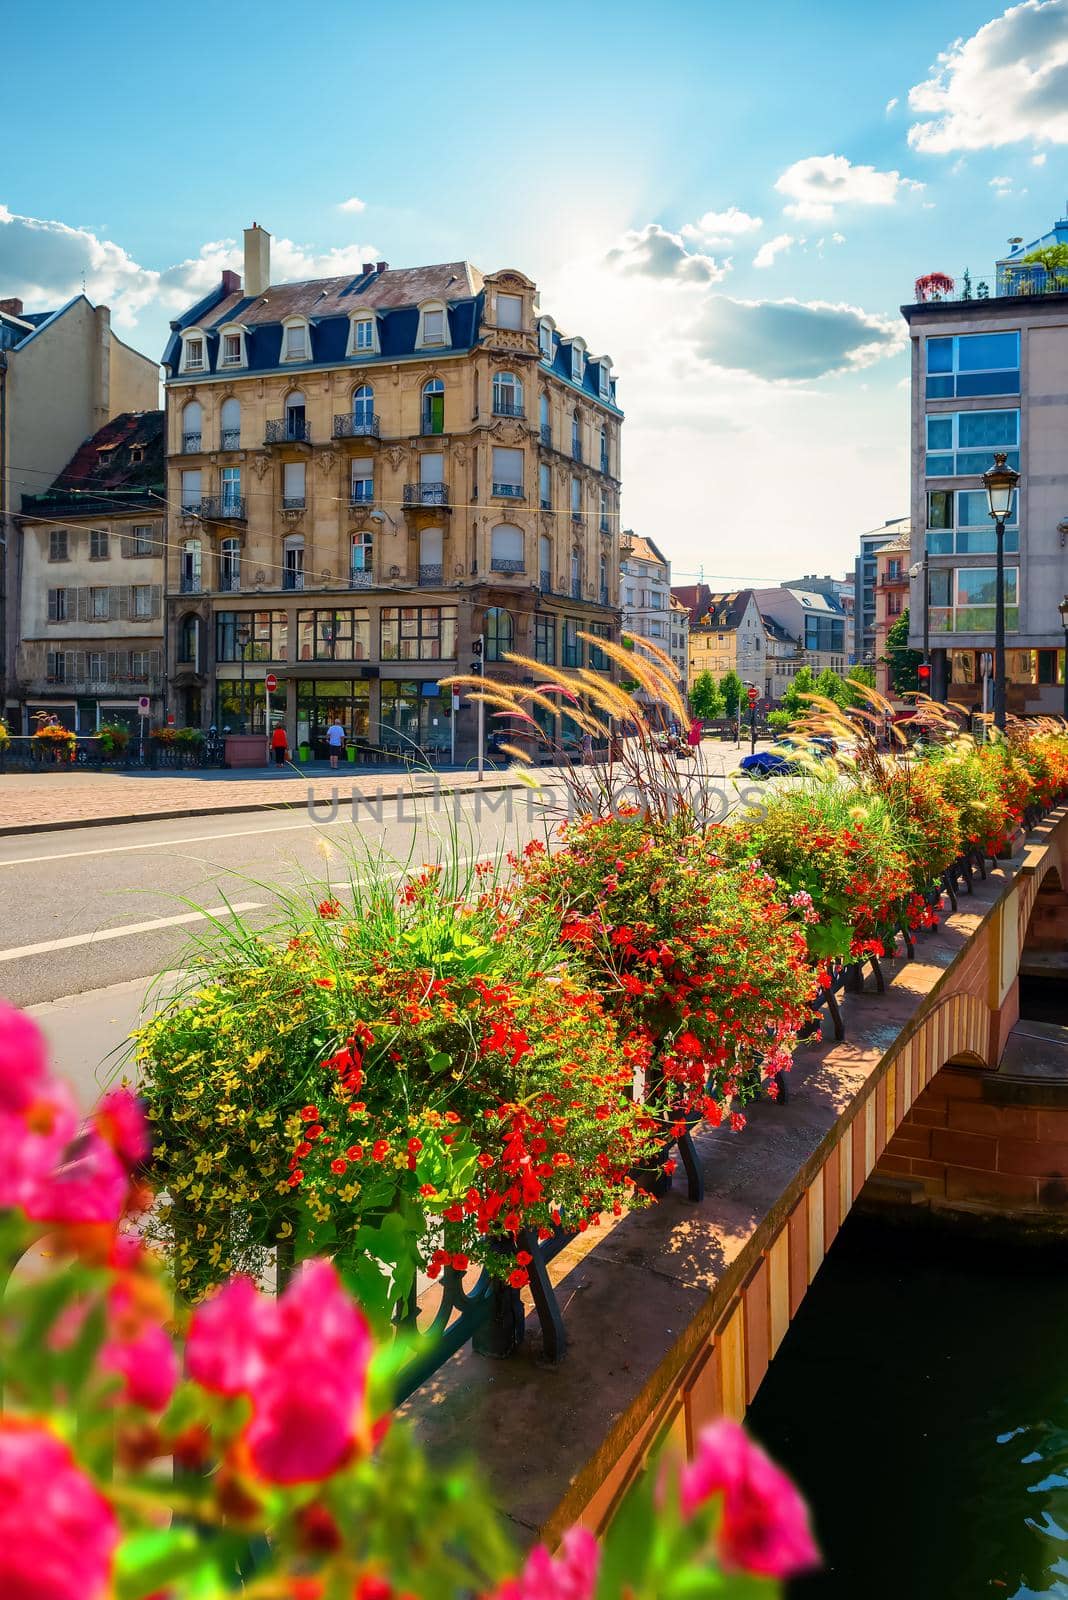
782, 760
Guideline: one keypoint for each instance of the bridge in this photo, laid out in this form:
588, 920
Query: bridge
939, 1095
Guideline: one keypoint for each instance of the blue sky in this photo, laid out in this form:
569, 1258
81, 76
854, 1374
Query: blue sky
727, 199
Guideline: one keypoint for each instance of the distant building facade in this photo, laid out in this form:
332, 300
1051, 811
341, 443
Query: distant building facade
864, 588
814, 620
679, 648
991, 374
370, 473
645, 590
63, 375
726, 633
89, 612
891, 600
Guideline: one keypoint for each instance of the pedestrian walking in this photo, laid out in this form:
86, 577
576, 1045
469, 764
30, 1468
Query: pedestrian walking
587, 749
335, 738
279, 745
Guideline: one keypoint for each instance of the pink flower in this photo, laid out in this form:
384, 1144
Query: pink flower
57, 1532
120, 1119
764, 1527
572, 1576
88, 1184
138, 1350
23, 1059
302, 1360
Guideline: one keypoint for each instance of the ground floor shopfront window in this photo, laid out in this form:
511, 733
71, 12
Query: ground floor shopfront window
415, 716
324, 701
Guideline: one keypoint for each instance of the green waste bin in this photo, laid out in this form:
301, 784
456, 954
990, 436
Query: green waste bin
304, 753
351, 752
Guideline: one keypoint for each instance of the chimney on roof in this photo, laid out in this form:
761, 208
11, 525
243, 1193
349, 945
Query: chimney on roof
231, 283
367, 268
13, 305
257, 259
382, 266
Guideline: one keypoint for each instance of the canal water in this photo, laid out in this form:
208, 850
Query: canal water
920, 1400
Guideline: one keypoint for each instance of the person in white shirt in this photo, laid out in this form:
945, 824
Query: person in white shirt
335, 739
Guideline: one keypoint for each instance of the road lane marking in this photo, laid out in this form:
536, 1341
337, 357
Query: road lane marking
100, 934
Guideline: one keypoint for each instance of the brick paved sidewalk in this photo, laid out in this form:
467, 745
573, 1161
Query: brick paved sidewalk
40, 802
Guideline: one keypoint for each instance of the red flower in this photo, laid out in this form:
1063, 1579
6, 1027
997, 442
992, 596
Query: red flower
519, 1277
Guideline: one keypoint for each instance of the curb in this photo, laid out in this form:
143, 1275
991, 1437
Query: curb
241, 810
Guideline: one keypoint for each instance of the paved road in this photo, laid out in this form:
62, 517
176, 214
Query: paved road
92, 917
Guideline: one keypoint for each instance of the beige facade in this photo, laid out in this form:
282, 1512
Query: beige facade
371, 514
61, 377
891, 600
726, 634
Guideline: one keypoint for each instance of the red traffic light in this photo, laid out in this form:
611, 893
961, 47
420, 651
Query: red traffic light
923, 672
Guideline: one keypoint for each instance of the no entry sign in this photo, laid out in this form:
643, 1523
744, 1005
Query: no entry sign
270, 683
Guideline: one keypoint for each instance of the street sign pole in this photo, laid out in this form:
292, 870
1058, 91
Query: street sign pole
270, 684
481, 710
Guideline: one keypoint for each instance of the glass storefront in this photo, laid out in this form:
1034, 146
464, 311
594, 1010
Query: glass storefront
321, 701
416, 716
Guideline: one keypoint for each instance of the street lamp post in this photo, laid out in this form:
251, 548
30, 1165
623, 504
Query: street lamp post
1000, 485
924, 568
244, 635
1063, 609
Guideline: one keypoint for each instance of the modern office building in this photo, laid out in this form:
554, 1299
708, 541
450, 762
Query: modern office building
990, 374
367, 475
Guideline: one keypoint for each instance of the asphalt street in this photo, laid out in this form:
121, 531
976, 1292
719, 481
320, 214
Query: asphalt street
92, 919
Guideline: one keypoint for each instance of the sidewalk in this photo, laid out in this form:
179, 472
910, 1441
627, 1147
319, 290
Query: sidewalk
43, 802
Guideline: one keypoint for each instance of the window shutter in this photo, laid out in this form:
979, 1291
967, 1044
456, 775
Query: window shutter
155, 665
53, 611
70, 665
120, 599
156, 603
80, 607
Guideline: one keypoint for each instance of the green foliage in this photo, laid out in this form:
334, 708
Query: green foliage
732, 689
1054, 257
902, 661
803, 683
706, 698
779, 721
861, 675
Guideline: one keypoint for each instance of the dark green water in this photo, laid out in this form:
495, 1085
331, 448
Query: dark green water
920, 1400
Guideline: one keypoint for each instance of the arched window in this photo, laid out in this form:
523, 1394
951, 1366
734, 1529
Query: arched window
296, 415
506, 548
230, 424
430, 556
500, 632
189, 643
230, 564
189, 582
363, 409
507, 395
576, 435
433, 420
362, 560
545, 420
576, 574
192, 426
604, 448
545, 562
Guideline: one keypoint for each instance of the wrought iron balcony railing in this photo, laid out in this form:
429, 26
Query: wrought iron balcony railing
287, 430
189, 583
506, 564
509, 491
191, 443
293, 502
576, 588
426, 494
604, 594
430, 573
545, 579
507, 408
545, 434
349, 426
292, 580
363, 494
223, 507
230, 439
229, 582
576, 449
578, 519
361, 578
604, 460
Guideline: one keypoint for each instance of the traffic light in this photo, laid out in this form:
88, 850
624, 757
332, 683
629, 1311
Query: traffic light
477, 649
923, 673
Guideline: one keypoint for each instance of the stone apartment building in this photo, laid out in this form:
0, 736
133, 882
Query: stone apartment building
991, 374
726, 633
369, 474
645, 589
679, 648
63, 374
89, 613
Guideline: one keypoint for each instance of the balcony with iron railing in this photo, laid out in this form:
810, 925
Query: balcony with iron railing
509, 491
293, 578
507, 564
349, 426
576, 449
191, 443
229, 580
361, 578
545, 580
230, 439
545, 434
507, 408
432, 423
604, 594
223, 507
362, 494
430, 574
293, 502
577, 519
287, 430
576, 588
604, 461
189, 583
1026, 280
426, 494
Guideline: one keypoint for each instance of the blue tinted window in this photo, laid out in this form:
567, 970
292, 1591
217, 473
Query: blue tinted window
985, 352
940, 355
994, 428
939, 433
973, 509
940, 543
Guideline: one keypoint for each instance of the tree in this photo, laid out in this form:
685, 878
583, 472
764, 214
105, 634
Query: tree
802, 683
831, 687
900, 659
705, 698
731, 688
859, 674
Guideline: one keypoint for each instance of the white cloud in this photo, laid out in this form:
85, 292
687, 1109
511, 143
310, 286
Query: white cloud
890, 105
45, 264
765, 256
815, 186
1039, 160
793, 341
721, 227
352, 204
838, 238
1006, 83
653, 252
1001, 183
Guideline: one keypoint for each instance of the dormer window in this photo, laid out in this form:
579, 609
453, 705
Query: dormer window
433, 326
231, 348
194, 358
363, 335
545, 340
604, 380
578, 361
296, 340
509, 311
